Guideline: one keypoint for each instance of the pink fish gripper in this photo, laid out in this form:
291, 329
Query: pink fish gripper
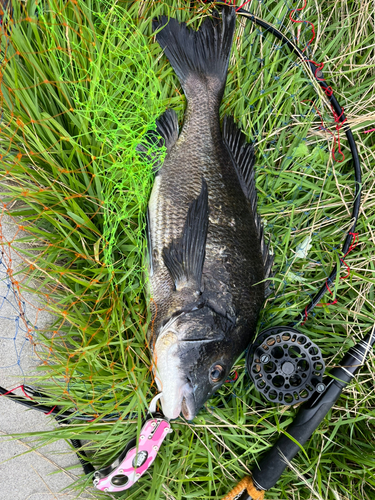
135, 459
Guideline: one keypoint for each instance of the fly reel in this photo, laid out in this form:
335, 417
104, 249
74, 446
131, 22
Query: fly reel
285, 365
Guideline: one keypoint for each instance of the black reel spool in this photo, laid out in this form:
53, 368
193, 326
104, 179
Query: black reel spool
285, 365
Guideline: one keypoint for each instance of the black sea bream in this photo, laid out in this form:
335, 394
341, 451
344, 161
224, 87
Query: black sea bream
208, 261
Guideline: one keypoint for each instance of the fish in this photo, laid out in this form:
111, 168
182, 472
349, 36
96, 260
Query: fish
207, 259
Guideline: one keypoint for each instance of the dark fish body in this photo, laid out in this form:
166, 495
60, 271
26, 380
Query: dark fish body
208, 261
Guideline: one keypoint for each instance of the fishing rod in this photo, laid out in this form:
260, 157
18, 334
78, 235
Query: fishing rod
310, 415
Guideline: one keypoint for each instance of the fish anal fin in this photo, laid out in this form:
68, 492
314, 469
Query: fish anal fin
184, 257
167, 127
243, 156
166, 134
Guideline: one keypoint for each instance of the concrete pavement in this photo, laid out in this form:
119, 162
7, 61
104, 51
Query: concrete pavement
27, 473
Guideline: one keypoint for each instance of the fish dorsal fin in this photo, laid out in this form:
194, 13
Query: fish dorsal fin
243, 156
166, 134
184, 256
267, 256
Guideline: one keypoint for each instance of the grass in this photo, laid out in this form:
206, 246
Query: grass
81, 84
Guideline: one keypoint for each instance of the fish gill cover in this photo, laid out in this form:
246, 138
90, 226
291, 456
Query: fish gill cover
81, 83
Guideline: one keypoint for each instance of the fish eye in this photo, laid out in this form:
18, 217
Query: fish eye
217, 372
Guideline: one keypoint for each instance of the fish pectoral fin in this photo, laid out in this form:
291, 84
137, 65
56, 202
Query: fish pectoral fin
166, 134
243, 157
184, 257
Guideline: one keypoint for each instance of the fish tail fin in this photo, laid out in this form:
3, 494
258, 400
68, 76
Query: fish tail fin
198, 56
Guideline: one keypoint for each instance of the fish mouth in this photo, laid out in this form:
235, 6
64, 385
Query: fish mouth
185, 409
188, 406
184, 403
